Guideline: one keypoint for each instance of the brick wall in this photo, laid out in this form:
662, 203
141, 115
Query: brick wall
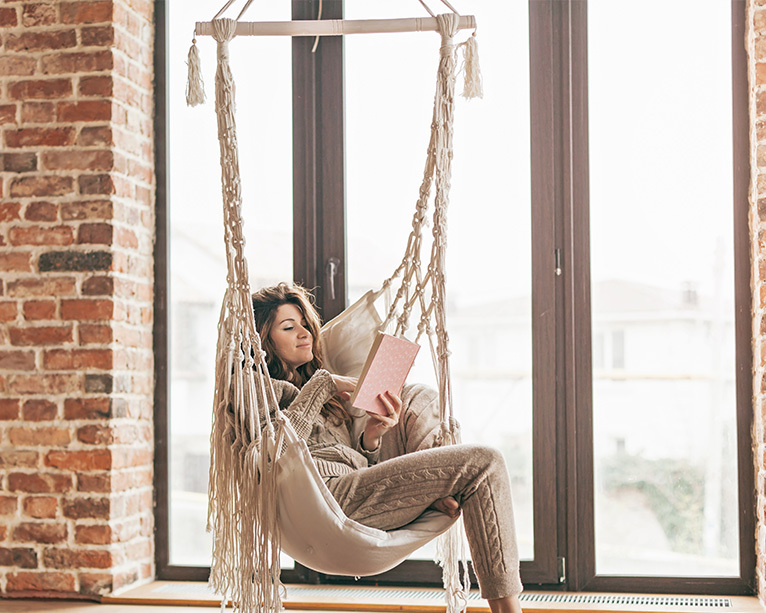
76, 287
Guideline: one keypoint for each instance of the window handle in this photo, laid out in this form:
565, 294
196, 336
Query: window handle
332, 270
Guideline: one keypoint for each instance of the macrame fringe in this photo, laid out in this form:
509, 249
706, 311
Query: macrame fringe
450, 551
472, 84
195, 88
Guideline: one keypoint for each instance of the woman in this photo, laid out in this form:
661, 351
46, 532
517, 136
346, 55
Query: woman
373, 476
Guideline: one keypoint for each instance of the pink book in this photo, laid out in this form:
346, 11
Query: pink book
386, 368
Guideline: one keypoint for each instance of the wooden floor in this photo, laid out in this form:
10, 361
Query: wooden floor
180, 597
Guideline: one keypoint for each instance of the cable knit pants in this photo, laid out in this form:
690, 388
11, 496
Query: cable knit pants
410, 478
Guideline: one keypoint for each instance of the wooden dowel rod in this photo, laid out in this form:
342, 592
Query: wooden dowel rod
334, 27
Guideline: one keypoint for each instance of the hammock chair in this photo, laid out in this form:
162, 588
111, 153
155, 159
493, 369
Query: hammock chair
265, 493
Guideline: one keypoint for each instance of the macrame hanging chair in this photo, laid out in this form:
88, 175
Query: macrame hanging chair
265, 493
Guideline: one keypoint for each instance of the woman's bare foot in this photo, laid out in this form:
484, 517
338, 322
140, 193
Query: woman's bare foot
448, 506
509, 604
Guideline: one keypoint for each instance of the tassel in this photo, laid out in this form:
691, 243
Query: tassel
195, 89
472, 85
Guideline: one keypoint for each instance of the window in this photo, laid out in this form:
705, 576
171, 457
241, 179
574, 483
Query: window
613, 262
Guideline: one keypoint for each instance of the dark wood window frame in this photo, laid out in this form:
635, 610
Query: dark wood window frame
563, 511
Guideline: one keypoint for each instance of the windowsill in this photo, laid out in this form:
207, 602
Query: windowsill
374, 599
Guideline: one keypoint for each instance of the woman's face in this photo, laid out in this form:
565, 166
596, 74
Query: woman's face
291, 337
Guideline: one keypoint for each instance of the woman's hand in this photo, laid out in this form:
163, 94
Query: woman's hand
344, 385
378, 424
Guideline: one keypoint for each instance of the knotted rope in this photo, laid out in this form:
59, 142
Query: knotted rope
242, 489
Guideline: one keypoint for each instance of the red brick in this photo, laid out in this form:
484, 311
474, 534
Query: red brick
35, 532
95, 435
91, 136
96, 184
8, 505
16, 261
100, 483
19, 162
32, 437
17, 360
9, 211
97, 36
40, 483
40, 582
18, 557
8, 17
44, 384
40, 89
81, 508
55, 40
39, 410
88, 408
7, 112
101, 86
50, 286
41, 235
95, 234
36, 137
3, 532
73, 260
38, 112
98, 584
41, 211
98, 286
86, 309
40, 507
51, 185
83, 558
95, 334
9, 408
93, 535
41, 335
93, 209
95, 459
39, 15
77, 160
39, 309
17, 65
19, 459
88, 110
77, 359
77, 62
8, 311
92, 11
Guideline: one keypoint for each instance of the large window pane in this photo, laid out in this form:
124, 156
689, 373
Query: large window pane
662, 286
390, 82
197, 260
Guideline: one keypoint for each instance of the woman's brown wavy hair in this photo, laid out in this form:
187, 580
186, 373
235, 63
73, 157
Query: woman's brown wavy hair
266, 301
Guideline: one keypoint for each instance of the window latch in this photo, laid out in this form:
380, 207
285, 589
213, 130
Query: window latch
332, 270
557, 257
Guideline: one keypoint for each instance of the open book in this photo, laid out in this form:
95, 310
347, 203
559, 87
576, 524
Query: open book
387, 366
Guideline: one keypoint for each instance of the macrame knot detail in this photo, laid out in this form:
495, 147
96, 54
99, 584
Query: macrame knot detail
195, 88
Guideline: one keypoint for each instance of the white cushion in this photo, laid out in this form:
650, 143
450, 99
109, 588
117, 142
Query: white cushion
346, 339
315, 531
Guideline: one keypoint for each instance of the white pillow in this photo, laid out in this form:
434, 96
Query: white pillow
346, 339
